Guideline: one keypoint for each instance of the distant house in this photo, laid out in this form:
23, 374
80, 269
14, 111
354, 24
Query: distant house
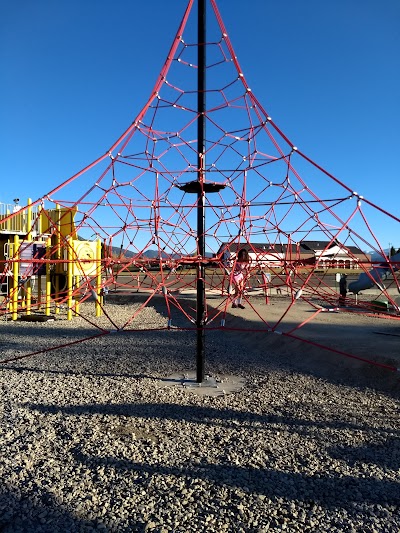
265, 255
323, 254
335, 254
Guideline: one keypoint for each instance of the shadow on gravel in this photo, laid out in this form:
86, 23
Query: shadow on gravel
20, 514
300, 355
208, 416
267, 350
385, 454
258, 350
328, 490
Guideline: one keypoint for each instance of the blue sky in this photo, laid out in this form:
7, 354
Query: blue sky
75, 74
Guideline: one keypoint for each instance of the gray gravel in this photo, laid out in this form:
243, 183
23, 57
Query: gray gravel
91, 442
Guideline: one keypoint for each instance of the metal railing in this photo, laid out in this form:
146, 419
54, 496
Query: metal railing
22, 220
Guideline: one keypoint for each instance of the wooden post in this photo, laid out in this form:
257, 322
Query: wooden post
39, 291
266, 287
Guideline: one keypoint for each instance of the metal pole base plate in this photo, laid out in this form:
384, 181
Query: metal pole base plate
211, 386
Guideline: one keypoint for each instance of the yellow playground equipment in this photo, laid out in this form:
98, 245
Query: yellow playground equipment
44, 263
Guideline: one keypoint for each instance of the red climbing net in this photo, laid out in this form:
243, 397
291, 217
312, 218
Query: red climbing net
140, 201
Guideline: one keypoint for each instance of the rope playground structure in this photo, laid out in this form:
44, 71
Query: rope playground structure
202, 172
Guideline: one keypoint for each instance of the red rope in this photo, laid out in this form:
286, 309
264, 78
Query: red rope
131, 197
31, 354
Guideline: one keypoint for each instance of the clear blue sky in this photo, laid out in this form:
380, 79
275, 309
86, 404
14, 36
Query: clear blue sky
74, 74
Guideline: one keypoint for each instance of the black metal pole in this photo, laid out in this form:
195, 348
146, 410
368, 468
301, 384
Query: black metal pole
201, 106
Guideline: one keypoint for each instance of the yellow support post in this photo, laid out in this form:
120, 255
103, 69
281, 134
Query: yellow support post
58, 257
98, 278
48, 279
28, 282
10, 254
70, 256
15, 270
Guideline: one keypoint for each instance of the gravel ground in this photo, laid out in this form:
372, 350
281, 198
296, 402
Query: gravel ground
91, 442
